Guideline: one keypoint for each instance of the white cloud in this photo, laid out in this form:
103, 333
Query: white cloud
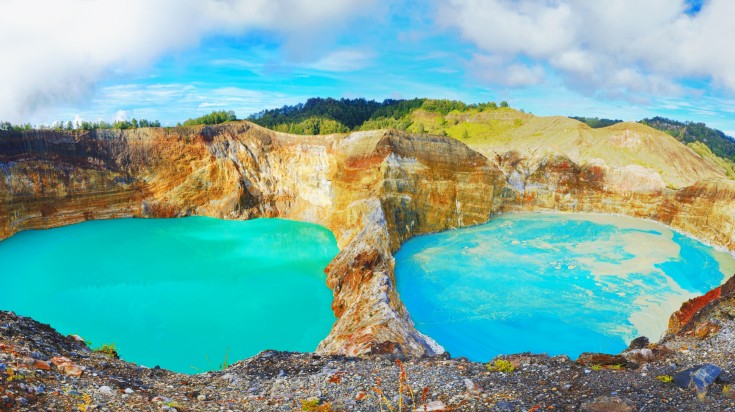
121, 115
499, 70
55, 51
614, 48
343, 61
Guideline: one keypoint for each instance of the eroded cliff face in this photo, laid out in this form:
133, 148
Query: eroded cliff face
374, 190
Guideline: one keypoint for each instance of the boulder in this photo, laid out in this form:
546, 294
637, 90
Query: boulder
607, 404
700, 377
601, 359
66, 366
432, 406
638, 343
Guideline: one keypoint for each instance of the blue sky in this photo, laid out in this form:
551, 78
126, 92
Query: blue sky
170, 60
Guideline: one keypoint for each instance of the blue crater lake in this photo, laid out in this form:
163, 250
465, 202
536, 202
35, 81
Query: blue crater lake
552, 283
180, 293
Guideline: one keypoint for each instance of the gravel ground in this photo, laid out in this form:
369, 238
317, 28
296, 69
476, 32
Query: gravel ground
34, 377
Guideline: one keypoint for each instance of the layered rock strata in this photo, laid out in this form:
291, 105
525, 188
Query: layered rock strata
374, 190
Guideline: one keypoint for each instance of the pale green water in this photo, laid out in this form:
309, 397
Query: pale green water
179, 293
553, 283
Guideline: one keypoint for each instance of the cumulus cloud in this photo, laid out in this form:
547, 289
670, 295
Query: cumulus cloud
615, 48
55, 51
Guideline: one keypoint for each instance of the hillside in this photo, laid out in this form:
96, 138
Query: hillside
706, 141
624, 149
635, 155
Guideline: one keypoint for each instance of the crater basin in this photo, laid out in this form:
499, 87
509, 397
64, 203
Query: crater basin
552, 283
187, 294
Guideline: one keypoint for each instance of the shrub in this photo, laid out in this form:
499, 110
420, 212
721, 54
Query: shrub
108, 349
500, 365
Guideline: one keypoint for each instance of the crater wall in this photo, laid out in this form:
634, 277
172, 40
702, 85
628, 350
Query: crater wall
374, 190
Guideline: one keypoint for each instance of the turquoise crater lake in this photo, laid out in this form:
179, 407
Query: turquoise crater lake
180, 293
552, 283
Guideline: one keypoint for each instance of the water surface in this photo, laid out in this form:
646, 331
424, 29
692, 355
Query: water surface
553, 283
179, 293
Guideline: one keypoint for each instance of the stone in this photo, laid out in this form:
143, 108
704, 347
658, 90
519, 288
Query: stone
129, 391
432, 406
202, 398
66, 366
699, 377
638, 343
39, 364
729, 392
504, 406
360, 395
601, 359
472, 387
105, 390
607, 404
706, 329
639, 355
39, 355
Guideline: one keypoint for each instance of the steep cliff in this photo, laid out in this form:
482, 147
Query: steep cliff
374, 190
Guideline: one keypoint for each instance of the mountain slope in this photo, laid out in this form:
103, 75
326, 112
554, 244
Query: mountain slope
623, 149
635, 157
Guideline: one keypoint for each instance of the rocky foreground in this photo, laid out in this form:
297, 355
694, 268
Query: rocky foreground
690, 370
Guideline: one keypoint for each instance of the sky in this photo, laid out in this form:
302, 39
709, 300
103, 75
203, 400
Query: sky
170, 60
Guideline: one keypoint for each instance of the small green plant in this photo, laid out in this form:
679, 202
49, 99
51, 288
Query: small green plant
726, 389
665, 378
108, 349
615, 367
86, 401
224, 363
500, 365
174, 404
313, 405
13, 375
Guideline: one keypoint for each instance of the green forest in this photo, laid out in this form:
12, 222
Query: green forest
328, 115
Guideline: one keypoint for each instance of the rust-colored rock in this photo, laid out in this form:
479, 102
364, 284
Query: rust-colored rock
601, 359
42, 365
706, 330
607, 404
682, 319
66, 366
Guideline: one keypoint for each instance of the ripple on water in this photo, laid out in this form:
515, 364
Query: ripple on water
553, 283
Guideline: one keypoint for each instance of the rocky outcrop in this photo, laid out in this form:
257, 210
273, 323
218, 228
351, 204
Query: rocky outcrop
410, 186
374, 190
701, 311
